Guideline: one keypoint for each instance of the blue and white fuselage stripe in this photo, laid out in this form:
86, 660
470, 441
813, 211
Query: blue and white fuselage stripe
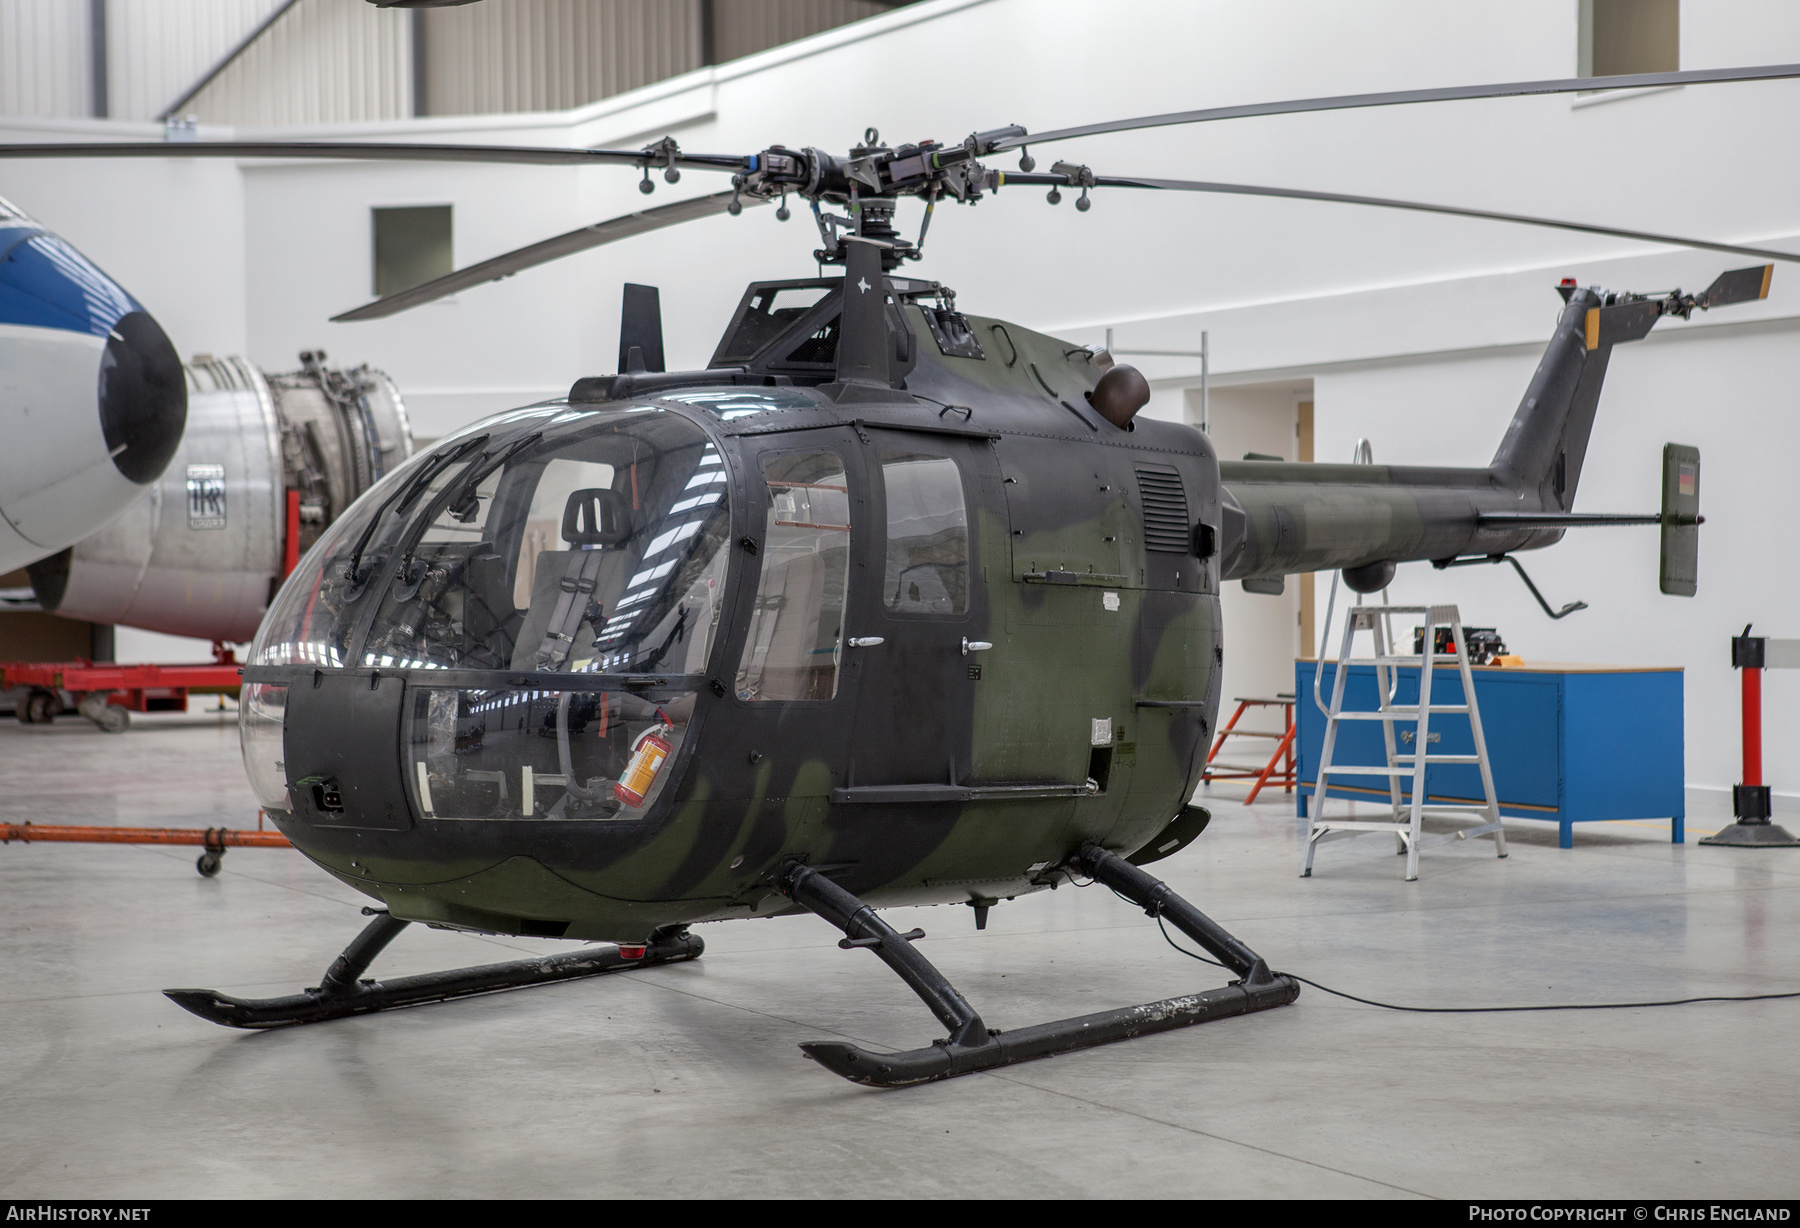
45, 283
67, 333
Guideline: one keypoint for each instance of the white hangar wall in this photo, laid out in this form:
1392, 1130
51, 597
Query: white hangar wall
1733, 394
1726, 382
1416, 332
172, 233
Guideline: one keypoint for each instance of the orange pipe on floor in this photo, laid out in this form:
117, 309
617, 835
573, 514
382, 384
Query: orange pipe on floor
209, 837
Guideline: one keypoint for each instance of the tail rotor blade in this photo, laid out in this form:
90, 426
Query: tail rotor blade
1737, 286
1622, 322
600, 233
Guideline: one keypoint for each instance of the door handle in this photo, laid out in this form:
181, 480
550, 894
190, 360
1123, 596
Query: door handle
970, 645
866, 641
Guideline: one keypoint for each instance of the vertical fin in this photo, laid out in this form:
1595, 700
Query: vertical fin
1547, 440
1680, 520
640, 328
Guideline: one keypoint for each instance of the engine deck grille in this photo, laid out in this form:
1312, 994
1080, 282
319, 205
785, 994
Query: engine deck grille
1166, 526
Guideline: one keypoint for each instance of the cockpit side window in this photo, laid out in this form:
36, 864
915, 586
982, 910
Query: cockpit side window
796, 638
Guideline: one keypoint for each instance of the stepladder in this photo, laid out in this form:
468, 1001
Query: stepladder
1402, 725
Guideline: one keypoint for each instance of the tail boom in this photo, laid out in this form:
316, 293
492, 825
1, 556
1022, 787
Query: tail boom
1278, 517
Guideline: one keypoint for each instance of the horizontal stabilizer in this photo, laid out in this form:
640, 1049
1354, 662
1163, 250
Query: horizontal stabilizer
1681, 519
1559, 520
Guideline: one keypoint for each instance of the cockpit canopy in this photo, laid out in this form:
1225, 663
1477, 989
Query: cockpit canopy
553, 540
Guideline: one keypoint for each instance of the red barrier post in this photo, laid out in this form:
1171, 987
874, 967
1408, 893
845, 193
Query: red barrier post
1751, 802
290, 548
1752, 690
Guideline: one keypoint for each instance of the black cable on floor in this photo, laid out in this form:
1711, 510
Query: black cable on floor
1490, 1010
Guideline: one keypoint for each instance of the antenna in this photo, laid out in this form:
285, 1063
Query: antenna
1204, 362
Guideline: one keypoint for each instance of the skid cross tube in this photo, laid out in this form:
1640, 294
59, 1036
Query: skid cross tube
972, 1046
342, 992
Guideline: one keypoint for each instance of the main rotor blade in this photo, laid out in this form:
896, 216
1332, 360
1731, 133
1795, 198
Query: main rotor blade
506, 265
1382, 202
1347, 102
535, 155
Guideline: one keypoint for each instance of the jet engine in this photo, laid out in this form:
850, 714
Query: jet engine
266, 463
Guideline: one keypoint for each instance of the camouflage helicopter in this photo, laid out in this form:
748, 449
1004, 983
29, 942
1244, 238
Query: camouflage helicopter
892, 604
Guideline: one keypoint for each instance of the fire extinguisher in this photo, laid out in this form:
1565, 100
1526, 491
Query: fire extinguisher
648, 754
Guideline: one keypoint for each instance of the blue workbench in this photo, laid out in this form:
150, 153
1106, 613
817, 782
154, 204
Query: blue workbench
1568, 743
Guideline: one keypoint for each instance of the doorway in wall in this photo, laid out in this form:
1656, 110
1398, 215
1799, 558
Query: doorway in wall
1263, 633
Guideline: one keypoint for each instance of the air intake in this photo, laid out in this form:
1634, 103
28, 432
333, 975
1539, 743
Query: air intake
1166, 527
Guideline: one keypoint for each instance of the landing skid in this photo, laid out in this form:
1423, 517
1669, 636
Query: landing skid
341, 992
972, 1045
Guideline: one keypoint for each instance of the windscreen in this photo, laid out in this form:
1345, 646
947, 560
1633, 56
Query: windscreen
553, 541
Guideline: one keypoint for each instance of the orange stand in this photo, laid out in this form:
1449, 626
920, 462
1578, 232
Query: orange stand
1280, 767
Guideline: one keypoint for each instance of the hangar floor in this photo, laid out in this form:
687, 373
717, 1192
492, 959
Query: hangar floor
685, 1080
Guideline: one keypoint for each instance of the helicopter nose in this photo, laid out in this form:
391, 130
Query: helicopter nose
141, 390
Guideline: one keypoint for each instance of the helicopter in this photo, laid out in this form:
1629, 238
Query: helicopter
890, 604
93, 395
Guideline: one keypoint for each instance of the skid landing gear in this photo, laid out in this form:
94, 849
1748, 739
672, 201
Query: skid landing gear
342, 993
972, 1045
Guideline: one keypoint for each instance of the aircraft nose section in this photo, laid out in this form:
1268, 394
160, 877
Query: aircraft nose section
143, 397
142, 390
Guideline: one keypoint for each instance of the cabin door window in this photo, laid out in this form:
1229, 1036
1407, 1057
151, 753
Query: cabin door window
927, 535
794, 649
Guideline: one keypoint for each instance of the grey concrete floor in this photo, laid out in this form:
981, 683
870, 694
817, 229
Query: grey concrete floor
686, 1080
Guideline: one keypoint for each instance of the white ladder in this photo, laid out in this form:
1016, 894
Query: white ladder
1405, 816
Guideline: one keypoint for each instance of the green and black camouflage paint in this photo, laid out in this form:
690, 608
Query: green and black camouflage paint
921, 782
